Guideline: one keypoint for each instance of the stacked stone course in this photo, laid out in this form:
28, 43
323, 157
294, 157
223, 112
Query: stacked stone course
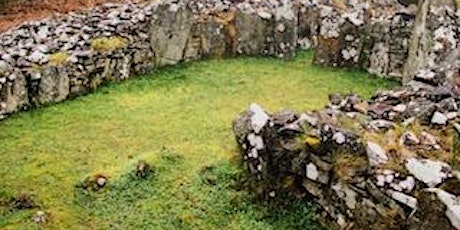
383, 37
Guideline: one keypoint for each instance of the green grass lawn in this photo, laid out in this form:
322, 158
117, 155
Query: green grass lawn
178, 119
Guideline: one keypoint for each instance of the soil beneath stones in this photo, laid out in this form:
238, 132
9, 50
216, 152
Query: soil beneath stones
15, 12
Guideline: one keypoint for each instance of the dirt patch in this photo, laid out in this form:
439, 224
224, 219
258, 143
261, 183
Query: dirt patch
13, 13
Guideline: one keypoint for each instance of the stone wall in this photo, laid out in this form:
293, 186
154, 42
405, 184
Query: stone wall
55, 59
387, 38
387, 163
378, 163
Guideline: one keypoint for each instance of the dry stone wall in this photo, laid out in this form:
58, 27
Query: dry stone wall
390, 162
389, 171
63, 57
386, 38
386, 163
51, 60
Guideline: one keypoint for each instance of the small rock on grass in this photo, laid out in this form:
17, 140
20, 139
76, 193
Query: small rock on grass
40, 217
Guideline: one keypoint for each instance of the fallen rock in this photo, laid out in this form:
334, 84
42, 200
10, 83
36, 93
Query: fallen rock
429, 172
376, 154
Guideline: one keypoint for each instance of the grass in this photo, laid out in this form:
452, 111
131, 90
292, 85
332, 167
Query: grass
177, 119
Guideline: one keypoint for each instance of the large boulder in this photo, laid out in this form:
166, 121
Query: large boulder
169, 29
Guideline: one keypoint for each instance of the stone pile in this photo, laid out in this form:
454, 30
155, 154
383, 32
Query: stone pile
390, 162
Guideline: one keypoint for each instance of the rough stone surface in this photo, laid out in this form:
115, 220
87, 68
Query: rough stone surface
374, 176
386, 38
429, 172
376, 154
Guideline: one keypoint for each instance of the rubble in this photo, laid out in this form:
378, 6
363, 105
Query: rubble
374, 176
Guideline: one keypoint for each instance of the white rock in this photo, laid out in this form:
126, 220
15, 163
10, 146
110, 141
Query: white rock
380, 180
37, 57
453, 214
381, 124
285, 12
408, 121
256, 141
259, 118
355, 18
408, 184
43, 33
409, 201
439, 119
429, 172
376, 154
453, 206
350, 198
312, 172
389, 178
339, 138
349, 37
400, 108
253, 153
101, 181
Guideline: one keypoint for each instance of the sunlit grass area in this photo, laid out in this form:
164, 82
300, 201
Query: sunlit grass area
179, 120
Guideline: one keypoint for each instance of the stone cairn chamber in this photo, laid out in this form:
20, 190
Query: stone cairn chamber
390, 162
